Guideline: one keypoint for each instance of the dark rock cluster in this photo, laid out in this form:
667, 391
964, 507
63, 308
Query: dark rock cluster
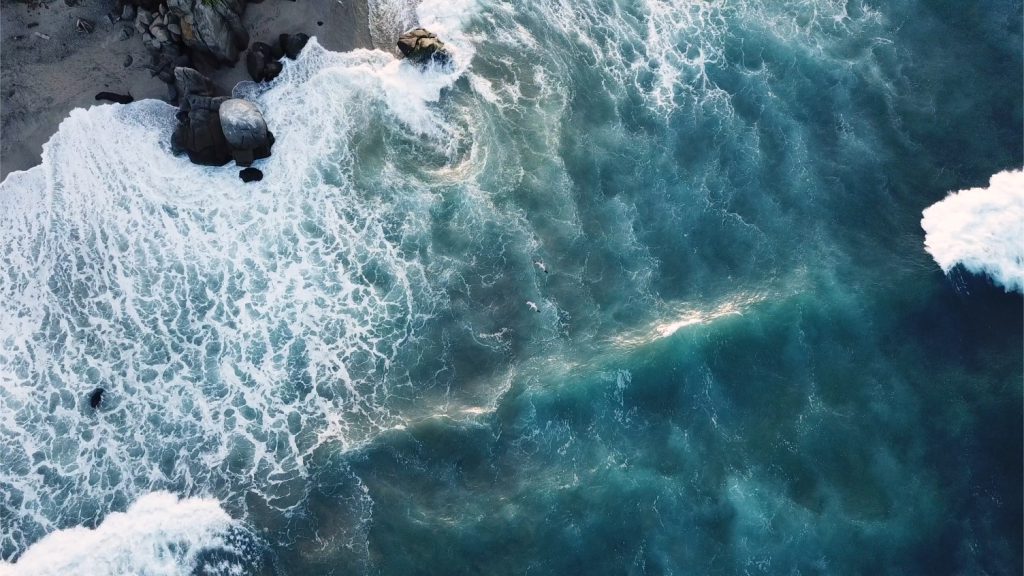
213, 130
262, 61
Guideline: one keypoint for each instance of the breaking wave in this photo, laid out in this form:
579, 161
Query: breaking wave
981, 229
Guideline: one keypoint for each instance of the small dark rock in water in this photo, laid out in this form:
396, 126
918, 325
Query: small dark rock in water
96, 397
126, 33
250, 175
319, 22
128, 60
113, 97
32, 24
422, 46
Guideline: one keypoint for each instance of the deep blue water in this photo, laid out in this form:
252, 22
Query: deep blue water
744, 362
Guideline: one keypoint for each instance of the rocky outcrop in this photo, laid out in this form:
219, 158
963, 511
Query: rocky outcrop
212, 26
214, 130
189, 82
422, 46
245, 131
292, 44
261, 62
199, 132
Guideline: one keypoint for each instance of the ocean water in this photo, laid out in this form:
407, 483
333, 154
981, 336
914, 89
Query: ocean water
744, 360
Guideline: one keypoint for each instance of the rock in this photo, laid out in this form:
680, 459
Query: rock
174, 29
245, 131
199, 132
260, 63
126, 33
190, 82
96, 398
144, 17
292, 44
128, 12
115, 97
212, 26
422, 46
250, 175
128, 60
160, 33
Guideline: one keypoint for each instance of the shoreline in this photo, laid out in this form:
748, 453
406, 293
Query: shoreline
48, 68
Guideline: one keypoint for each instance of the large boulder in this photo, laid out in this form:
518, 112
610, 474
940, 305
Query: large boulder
261, 63
189, 82
292, 44
199, 132
422, 46
212, 26
245, 131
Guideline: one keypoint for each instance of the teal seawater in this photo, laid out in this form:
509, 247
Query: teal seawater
744, 362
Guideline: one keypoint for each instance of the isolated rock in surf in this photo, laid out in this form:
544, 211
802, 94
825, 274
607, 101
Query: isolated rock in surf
422, 46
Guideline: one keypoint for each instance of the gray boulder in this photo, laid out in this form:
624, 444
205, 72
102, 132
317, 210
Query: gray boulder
190, 82
245, 131
212, 26
422, 46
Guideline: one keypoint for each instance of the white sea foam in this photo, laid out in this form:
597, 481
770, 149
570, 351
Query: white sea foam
159, 535
236, 327
981, 229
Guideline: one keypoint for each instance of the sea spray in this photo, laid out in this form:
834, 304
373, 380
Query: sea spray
158, 535
981, 229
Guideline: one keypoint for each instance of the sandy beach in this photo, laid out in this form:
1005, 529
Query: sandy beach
48, 68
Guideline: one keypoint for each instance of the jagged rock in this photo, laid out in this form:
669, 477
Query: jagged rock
145, 18
174, 29
128, 12
250, 175
422, 46
245, 131
261, 64
190, 82
128, 60
199, 132
212, 26
126, 33
292, 44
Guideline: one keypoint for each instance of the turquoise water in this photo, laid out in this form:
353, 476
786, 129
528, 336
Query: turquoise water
743, 360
